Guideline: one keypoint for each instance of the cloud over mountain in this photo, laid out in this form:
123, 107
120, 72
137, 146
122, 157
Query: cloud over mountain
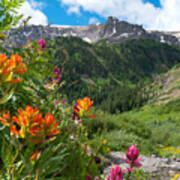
33, 8
165, 17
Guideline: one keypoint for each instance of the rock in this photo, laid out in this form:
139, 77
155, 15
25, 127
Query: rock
113, 30
156, 166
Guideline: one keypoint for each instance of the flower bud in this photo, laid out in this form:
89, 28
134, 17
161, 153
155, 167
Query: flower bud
42, 44
116, 173
132, 153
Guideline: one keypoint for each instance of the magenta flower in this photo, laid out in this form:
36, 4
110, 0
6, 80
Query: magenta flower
42, 44
132, 153
132, 157
116, 173
57, 102
88, 177
57, 74
64, 101
56, 71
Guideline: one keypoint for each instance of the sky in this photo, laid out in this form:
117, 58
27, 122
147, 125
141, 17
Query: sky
151, 14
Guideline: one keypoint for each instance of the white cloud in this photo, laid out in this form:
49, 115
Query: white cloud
33, 9
135, 11
93, 20
37, 5
74, 9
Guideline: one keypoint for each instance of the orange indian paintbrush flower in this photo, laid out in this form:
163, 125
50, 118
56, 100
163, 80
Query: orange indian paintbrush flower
83, 107
49, 126
28, 121
5, 119
16, 63
10, 68
31, 124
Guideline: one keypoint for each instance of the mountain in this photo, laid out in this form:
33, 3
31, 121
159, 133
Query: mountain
108, 62
114, 31
111, 74
167, 86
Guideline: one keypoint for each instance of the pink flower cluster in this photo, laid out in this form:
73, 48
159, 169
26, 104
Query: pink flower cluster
116, 173
55, 80
132, 159
42, 44
57, 75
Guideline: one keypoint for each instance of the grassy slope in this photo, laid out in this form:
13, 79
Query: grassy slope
98, 65
92, 67
151, 127
167, 86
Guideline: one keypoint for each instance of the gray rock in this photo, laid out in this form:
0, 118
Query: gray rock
113, 30
156, 166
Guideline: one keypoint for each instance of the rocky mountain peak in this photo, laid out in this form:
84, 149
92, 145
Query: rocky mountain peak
111, 20
113, 30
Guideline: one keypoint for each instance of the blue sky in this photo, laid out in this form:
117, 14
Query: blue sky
152, 14
154, 2
57, 13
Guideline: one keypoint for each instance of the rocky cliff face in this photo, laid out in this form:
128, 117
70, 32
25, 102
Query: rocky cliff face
113, 30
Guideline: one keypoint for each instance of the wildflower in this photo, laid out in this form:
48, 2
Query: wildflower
116, 173
64, 101
176, 177
132, 157
105, 141
17, 65
9, 68
57, 74
3, 59
85, 147
57, 102
108, 150
75, 116
49, 126
42, 44
28, 121
88, 177
132, 153
2, 36
56, 71
83, 108
32, 125
170, 150
5, 119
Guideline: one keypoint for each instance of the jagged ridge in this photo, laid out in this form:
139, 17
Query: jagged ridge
113, 30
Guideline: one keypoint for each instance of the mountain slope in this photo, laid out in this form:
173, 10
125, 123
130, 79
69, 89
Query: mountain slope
114, 31
167, 86
100, 69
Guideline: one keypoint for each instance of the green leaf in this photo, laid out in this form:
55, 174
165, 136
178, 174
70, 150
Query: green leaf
7, 96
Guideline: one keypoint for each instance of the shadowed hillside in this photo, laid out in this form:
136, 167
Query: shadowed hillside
104, 70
